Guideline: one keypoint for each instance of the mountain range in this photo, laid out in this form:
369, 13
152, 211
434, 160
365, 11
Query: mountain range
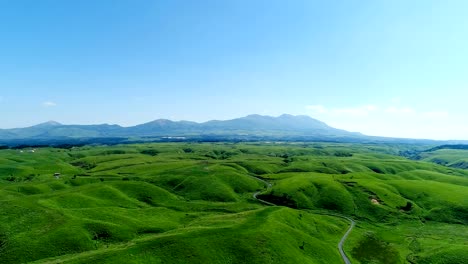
251, 127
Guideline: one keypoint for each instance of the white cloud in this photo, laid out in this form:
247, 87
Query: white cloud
317, 108
436, 114
355, 111
352, 111
49, 104
399, 110
393, 120
395, 100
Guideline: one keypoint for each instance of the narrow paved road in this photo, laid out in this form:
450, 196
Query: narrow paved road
343, 239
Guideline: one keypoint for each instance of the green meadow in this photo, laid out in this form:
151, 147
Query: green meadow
193, 203
455, 158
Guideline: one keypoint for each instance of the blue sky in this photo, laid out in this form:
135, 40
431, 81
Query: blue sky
389, 68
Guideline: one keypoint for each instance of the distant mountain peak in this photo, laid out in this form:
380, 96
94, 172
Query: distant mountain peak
283, 116
50, 123
161, 121
254, 116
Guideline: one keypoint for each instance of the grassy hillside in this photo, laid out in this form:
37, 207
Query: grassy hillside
192, 203
455, 158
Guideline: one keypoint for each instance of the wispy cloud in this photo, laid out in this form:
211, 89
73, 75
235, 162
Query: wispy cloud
436, 114
48, 104
355, 111
395, 100
393, 119
317, 108
350, 111
399, 110
365, 110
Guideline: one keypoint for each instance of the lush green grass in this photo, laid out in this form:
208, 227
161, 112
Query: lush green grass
409, 241
455, 158
271, 235
192, 203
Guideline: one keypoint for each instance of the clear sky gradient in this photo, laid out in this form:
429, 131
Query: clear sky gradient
386, 68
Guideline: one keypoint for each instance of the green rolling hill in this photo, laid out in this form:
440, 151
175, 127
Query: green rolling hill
192, 203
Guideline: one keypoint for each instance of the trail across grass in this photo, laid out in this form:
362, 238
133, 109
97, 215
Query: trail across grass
343, 239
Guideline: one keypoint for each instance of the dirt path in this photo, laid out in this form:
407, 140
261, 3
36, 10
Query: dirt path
343, 239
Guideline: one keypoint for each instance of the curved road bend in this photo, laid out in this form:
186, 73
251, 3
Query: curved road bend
343, 239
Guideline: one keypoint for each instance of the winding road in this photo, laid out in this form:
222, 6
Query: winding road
343, 239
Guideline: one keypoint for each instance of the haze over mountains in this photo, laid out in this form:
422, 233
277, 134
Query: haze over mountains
287, 127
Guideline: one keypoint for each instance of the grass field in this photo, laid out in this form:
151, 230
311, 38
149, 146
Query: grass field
192, 203
456, 158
